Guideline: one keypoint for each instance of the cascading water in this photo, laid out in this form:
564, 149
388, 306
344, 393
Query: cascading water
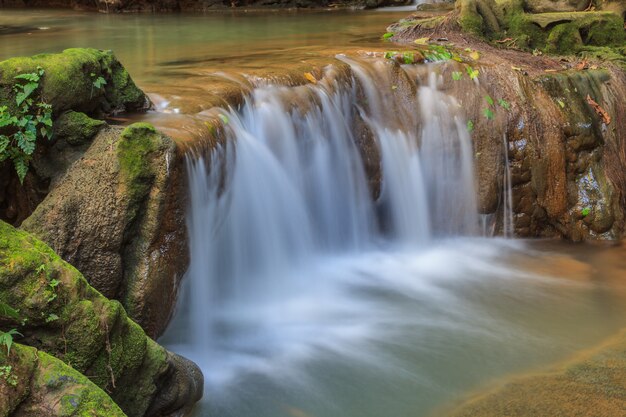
304, 294
507, 194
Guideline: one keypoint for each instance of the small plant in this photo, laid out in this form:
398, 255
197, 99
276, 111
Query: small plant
456, 75
51, 317
408, 57
438, 53
489, 100
473, 73
585, 212
98, 82
7, 375
6, 339
53, 284
388, 35
19, 130
470, 126
488, 113
504, 104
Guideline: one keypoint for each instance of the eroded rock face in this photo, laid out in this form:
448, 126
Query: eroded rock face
118, 216
546, 6
60, 314
36, 384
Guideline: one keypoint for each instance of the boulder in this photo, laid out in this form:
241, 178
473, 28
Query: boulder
118, 216
60, 314
547, 6
74, 82
35, 384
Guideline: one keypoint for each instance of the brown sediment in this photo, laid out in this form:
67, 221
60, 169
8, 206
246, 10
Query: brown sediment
591, 384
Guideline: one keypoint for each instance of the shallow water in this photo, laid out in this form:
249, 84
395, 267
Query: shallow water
403, 326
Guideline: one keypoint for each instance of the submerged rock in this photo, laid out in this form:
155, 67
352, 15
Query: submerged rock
60, 314
118, 216
35, 384
590, 386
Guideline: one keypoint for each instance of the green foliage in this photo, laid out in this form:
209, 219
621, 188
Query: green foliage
473, 73
488, 113
98, 82
438, 53
6, 339
388, 35
489, 100
470, 126
585, 212
51, 317
456, 75
31, 119
224, 118
408, 57
504, 104
8, 311
7, 375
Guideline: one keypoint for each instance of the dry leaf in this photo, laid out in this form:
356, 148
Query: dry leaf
310, 77
582, 65
474, 55
550, 70
505, 40
606, 119
421, 41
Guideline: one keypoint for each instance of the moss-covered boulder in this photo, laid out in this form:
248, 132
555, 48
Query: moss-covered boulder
35, 384
70, 82
80, 85
118, 216
62, 315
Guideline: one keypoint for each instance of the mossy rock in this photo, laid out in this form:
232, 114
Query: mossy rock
118, 215
69, 82
36, 384
76, 128
62, 315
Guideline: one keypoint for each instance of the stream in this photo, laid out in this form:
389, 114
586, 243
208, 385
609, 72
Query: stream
307, 295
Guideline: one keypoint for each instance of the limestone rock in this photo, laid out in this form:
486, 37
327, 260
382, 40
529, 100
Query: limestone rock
62, 315
35, 384
547, 6
118, 216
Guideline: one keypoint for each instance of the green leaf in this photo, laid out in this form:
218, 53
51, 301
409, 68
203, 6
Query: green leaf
31, 77
470, 126
223, 118
408, 57
504, 104
489, 100
4, 143
8, 311
585, 212
6, 339
473, 74
561, 103
99, 82
51, 317
488, 113
388, 35
54, 283
21, 167
456, 75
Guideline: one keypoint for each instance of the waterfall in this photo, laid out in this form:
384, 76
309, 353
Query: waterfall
508, 228
289, 187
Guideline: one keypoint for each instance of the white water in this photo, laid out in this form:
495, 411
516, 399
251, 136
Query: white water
305, 297
508, 227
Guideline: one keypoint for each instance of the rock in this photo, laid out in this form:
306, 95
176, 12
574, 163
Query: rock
72, 82
591, 385
69, 82
547, 6
35, 384
118, 216
62, 315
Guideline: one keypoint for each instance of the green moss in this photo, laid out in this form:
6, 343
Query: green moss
68, 82
76, 128
564, 39
137, 142
92, 333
